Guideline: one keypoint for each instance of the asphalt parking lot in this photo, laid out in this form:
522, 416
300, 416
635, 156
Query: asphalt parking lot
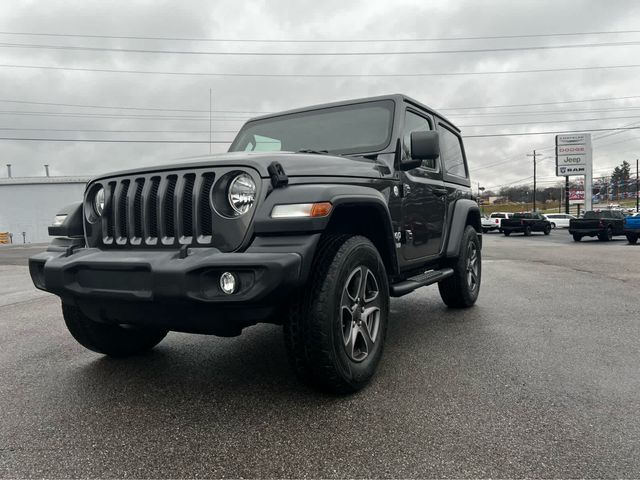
539, 379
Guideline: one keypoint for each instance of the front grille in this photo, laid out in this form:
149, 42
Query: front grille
169, 209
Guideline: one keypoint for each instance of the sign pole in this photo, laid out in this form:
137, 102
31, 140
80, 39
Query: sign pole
566, 195
588, 179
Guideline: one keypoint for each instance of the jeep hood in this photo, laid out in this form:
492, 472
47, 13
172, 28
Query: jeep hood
294, 164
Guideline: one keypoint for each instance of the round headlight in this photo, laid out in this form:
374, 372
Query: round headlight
242, 193
98, 202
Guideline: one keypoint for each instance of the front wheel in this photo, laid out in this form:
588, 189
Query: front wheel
577, 237
527, 231
547, 230
553, 225
462, 288
335, 330
110, 339
632, 238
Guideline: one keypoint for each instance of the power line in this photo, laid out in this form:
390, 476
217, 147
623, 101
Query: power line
79, 105
549, 132
270, 40
548, 121
105, 140
540, 112
316, 54
442, 109
540, 104
117, 116
98, 130
315, 75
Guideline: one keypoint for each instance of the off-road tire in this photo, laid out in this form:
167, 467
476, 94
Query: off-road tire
632, 238
110, 339
313, 329
456, 291
606, 236
527, 231
577, 237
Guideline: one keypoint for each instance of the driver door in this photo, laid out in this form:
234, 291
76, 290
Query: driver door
424, 197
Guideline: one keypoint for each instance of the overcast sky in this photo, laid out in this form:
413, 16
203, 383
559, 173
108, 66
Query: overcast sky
309, 20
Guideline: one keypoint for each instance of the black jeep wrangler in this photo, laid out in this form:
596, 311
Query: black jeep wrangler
312, 221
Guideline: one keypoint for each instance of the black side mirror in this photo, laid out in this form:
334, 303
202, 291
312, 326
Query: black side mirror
424, 146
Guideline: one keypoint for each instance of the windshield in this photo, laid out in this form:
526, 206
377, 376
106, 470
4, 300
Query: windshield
347, 129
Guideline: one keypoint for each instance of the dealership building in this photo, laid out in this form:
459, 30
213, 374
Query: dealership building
28, 204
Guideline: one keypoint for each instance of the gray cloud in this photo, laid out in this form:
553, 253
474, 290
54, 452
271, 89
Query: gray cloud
308, 20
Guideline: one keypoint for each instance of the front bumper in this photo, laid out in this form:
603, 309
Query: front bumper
177, 289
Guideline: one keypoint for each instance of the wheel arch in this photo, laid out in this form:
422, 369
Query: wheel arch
465, 212
370, 218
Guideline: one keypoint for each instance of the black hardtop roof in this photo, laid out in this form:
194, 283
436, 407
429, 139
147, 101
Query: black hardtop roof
396, 97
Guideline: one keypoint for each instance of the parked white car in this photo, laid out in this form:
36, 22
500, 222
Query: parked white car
488, 224
496, 218
559, 220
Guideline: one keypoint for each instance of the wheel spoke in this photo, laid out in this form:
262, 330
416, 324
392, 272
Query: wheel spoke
371, 322
368, 342
371, 289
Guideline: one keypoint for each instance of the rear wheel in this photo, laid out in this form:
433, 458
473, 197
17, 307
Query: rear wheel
607, 235
506, 233
110, 339
527, 231
462, 288
632, 238
577, 237
335, 330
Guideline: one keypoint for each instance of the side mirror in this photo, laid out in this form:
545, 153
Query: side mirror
424, 146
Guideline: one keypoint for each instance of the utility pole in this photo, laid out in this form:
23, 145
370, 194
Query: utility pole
534, 155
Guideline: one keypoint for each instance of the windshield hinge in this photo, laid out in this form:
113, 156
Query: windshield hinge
278, 177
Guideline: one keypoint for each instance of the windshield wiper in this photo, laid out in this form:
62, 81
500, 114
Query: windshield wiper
308, 150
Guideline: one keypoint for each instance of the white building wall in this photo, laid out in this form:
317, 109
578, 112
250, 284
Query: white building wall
30, 208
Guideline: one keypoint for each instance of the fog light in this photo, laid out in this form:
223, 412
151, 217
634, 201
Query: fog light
228, 283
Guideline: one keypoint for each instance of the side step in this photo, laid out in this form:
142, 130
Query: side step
427, 278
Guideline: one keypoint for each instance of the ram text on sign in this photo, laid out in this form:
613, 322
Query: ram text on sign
567, 171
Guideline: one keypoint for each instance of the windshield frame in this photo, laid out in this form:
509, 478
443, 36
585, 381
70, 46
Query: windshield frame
372, 149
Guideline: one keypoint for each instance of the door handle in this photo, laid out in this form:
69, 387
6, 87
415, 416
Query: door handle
440, 191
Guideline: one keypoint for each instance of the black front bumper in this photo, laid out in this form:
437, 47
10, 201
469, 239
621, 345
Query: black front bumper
179, 290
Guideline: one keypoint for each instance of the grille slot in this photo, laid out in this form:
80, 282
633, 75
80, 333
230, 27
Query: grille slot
169, 207
137, 209
187, 205
167, 210
205, 220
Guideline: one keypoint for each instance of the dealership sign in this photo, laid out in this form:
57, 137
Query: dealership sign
573, 154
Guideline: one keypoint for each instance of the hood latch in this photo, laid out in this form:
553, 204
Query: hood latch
278, 177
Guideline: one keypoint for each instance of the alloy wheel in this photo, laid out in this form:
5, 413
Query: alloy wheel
360, 313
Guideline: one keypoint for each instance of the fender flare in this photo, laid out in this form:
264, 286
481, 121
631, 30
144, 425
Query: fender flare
72, 226
341, 196
461, 210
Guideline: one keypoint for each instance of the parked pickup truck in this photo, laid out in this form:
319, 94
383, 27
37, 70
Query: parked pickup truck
312, 220
526, 223
632, 228
604, 224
